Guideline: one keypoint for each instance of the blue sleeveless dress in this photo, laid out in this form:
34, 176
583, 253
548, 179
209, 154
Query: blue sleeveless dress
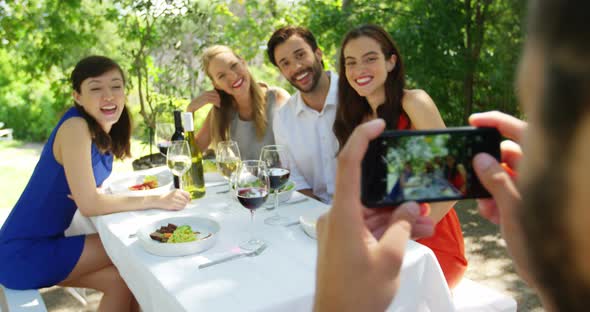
34, 252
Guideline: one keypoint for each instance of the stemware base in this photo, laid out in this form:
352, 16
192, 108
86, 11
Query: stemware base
251, 244
276, 220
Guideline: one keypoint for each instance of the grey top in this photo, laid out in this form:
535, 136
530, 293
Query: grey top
244, 132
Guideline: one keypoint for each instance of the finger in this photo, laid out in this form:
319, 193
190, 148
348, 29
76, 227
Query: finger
511, 153
509, 126
70, 196
184, 194
394, 240
489, 210
213, 96
321, 225
377, 222
368, 212
423, 227
494, 179
348, 175
379, 231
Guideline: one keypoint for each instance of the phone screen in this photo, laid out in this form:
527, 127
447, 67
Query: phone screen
425, 166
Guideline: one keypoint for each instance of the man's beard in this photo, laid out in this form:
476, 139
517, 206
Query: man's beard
316, 72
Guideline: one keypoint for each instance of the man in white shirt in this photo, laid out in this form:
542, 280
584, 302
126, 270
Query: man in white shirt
304, 123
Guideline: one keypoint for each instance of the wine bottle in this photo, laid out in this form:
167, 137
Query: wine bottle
177, 136
193, 180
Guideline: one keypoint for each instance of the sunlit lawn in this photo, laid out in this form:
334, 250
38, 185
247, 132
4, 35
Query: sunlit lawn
18, 159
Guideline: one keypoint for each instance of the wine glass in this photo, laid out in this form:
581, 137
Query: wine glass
252, 186
178, 159
227, 157
277, 162
164, 131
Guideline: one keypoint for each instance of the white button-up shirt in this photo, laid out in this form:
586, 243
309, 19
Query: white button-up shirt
311, 143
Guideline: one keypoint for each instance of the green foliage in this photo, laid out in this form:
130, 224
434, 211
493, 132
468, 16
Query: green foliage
432, 37
446, 47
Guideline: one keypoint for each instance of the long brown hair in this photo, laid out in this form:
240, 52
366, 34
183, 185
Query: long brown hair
352, 107
117, 140
222, 116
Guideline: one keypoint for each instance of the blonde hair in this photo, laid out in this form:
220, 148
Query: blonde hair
221, 116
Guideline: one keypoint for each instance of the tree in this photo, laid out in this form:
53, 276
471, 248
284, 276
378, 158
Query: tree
162, 64
462, 52
41, 40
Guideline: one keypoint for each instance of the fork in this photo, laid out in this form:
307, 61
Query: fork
251, 253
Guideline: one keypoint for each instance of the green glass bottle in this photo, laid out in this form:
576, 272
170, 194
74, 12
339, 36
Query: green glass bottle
193, 181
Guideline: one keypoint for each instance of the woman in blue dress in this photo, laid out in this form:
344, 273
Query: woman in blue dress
75, 161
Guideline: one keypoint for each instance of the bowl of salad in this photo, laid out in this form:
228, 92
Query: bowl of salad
178, 236
286, 192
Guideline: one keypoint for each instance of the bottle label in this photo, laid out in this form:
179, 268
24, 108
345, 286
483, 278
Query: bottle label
187, 122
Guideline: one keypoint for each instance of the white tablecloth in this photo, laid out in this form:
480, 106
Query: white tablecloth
282, 278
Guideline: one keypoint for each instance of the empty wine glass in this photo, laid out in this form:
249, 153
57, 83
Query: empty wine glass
227, 157
277, 162
164, 131
178, 159
252, 186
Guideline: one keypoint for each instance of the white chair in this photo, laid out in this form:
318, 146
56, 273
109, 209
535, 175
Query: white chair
5, 134
470, 296
21, 300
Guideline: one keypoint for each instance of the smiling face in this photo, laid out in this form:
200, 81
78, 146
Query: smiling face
230, 74
103, 98
367, 68
299, 64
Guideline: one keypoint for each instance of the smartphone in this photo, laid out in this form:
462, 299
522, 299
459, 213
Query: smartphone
425, 166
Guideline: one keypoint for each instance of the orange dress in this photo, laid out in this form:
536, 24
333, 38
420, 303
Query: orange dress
447, 241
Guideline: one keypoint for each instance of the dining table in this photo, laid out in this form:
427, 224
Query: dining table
280, 278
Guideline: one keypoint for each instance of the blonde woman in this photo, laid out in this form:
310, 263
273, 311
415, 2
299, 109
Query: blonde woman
243, 109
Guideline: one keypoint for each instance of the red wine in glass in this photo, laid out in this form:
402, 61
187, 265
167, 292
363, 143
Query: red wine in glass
278, 177
163, 147
252, 197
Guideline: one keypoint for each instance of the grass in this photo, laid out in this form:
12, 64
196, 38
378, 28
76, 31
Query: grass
17, 161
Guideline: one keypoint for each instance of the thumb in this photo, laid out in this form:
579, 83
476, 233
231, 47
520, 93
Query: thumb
494, 178
393, 243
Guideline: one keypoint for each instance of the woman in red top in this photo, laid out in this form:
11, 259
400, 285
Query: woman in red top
375, 88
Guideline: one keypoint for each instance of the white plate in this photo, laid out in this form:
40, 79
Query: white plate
309, 219
121, 185
202, 225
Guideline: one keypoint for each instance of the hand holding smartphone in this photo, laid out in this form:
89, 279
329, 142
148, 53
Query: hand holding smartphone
425, 166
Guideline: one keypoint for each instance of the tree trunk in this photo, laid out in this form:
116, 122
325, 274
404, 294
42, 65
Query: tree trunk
347, 4
468, 93
473, 42
138, 73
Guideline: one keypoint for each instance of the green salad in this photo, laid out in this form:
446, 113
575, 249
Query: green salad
182, 234
287, 187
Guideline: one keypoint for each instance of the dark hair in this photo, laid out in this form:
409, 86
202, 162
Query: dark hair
282, 34
560, 30
117, 140
352, 107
